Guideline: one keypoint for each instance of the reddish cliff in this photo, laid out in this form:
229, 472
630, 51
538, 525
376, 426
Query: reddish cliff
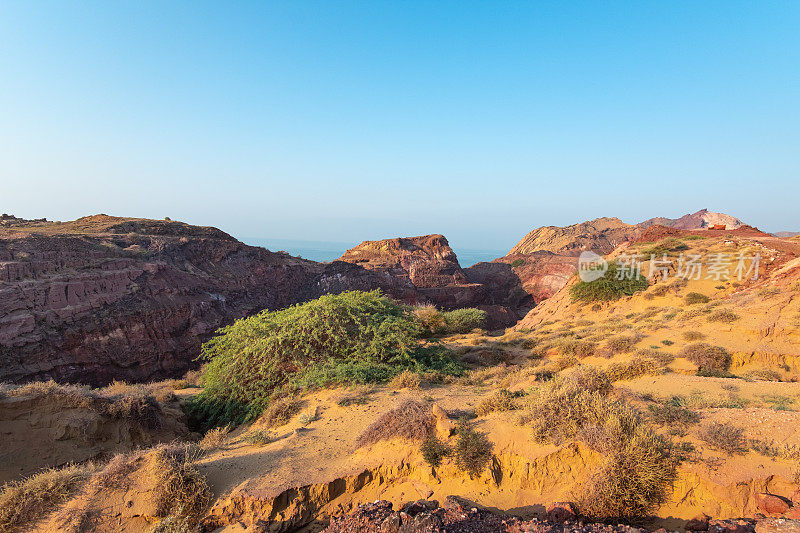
428, 263
105, 298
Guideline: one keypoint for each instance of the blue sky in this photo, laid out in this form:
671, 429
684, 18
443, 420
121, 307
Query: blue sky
347, 121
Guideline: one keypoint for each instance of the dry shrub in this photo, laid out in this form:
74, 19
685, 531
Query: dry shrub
728, 439
673, 413
181, 490
638, 366
578, 348
118, 401
564, 362
637, 474
587, 378
472, 450
258, 437
723, 315
406, 380
693, 298
708, 358
176, 487
23, 502
214, 438
639, 465
621, 343
763, 374
430, 318
280, 411
410, 420
693, 336
502, 400
662, 358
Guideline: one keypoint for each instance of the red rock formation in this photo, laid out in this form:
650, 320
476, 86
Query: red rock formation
427, 263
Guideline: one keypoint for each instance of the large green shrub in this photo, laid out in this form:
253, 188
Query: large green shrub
464, 320
349, 337
609, 287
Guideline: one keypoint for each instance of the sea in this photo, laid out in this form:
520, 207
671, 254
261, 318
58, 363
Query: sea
326, 251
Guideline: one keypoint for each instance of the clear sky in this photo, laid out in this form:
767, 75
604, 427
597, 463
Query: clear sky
347, 121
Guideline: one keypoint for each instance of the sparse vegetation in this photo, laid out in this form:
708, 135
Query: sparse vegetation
639, 465
608, 288
723, 315
693, 298
411, 420
693, 336
406, 380
673, 413
728, 439
214, 438
707, 357
502, 400
621, 343
23, 502
638, 366
517, 263
472, 451
258, 437
280, 411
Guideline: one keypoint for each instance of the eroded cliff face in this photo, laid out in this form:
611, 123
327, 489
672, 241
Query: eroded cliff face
94, 307
104, 298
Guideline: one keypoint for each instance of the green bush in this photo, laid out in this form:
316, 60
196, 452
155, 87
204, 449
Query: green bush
433, 451
472, 450
464, 320
517, 263
666, 246
438, 322
608, 287
352, 337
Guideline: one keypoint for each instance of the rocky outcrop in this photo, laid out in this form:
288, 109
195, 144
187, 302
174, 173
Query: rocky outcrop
104, 298
426, 263
700, 220
600, 235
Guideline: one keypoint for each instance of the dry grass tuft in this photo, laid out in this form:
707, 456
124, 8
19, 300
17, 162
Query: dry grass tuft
258, 437
708, 358
693, 336
693, 298
638, 366
406, 380
411, 420
214, 439
621, 343
723, 315
502, 400
280, 411
25, 501
728, 439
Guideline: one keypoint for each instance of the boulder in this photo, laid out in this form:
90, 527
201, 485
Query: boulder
560, 512
771, 504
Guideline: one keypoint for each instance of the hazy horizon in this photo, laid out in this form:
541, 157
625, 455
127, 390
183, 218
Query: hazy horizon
353, 121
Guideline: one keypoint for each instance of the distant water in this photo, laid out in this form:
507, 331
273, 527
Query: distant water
325, 251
